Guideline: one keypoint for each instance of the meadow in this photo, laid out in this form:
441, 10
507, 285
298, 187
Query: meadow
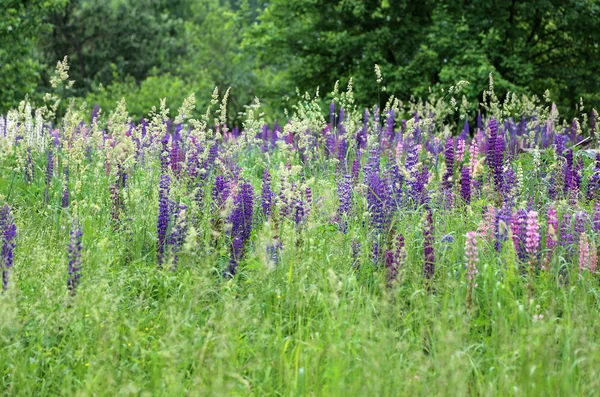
412, 248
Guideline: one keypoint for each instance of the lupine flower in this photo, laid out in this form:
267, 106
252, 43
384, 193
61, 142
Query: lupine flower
471, 257
465, 182
460, 149
49, 174
266, 193
593, 258
178, 234
596, 218
274, 251
429, 238
65, 196
345, 195
355, 171
584, 253
8, 232
532, 241
241, 225
74, 270
163, 216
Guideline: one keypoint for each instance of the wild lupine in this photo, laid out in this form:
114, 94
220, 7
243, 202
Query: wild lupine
532, 241
428, 250
449, 153
596, 218
472, 259
274, 251
460, 149
241, 225
65, 196
345, 208
584, 253
267, 194
8, 232
465, 182
593, 187
74, 270
396, 262
49, 175
164, 214
355, 171
178, 234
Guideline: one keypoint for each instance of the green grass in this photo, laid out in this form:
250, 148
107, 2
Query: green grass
312, 325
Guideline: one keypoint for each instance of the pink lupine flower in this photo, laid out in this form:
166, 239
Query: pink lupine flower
460, 150
593, 259
474, 153
471, 256
532, 240
486, 226
584, 253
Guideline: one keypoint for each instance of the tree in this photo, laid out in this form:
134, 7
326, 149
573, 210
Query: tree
20, 65
528, 46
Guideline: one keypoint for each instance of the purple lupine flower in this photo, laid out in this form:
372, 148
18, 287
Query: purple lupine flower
568, 172
309, 200
596, 219
220, 192
49, 175
164, 214
274, 251
241, 225
428, 250
164, 154
579, 225
552, 193
566, 233
8, 232
377, 199
342, 148
449, 153
395, 180
345, 195
465, 182
178, 234
593, 187
355, 171
65, 196
267, 194
498, 161
74, 270
299, 212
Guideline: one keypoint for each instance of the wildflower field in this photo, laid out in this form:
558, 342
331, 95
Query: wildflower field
411, 248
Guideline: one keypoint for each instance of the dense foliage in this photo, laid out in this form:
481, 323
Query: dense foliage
147, 50
378, 251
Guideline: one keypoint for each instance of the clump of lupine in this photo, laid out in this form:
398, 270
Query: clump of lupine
74, 269
8, 233
368, 171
